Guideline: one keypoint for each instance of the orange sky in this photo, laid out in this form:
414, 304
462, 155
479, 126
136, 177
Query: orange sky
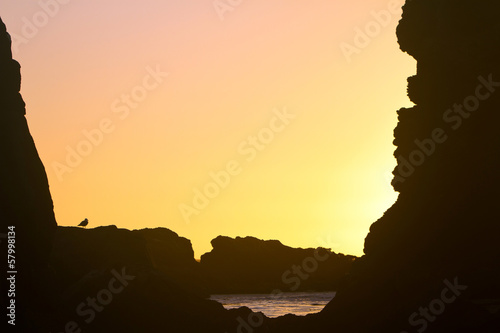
136, 107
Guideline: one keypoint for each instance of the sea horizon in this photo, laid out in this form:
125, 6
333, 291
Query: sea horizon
277, 305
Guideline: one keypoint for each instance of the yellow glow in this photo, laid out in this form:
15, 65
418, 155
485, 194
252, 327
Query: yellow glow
321, 181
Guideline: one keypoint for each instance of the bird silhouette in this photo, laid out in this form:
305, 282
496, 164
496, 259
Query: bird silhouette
84, 223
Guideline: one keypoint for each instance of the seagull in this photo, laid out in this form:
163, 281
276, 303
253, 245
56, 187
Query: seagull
84, 223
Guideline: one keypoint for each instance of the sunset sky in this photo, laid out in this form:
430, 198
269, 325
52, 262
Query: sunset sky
265, 118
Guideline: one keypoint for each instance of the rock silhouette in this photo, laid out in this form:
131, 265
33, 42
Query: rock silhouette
77, 252
251, 265
25, 200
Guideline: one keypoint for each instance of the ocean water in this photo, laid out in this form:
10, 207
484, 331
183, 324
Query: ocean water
272, 306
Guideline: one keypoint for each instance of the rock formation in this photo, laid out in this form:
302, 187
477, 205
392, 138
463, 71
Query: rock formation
25, 200
79, 251
431, 262
250, 265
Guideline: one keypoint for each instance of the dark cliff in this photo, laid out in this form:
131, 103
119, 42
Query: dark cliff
432, 261
25, 201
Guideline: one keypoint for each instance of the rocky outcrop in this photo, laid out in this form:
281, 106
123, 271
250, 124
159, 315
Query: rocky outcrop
251, 265
79, 251
432, 260
25, 201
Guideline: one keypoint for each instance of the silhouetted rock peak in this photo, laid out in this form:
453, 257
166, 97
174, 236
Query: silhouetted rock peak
10, 84
5, 43
248, 241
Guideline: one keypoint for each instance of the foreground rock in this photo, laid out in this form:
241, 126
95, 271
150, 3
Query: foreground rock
78, 252
251, 265
26, 209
